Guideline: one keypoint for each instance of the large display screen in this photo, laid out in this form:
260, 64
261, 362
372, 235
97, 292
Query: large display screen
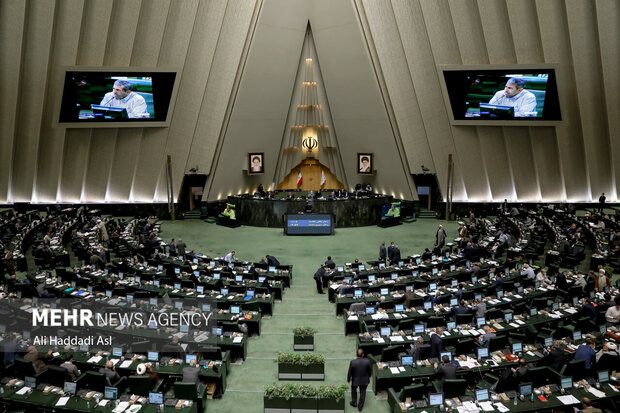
309, 224
390, 211
134, 98
516, 95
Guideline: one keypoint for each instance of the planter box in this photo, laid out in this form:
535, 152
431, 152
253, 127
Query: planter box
303, 405
331, 405
276, 405
300, 372
313, 372
303, 343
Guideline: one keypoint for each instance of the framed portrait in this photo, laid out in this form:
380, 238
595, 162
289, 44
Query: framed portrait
365, 163
256, 163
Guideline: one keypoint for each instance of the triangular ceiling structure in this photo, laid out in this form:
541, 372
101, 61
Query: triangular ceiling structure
261, 103
309, 117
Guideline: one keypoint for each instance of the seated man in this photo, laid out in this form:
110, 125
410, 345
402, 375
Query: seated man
446, 371
190, 373
228, 212
486, 337
109, 371
514, 95
586, 352
70, 367
122, 96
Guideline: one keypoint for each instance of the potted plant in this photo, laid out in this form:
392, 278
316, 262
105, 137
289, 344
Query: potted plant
314, 366
303, 338
289, 366
277, 399
307, 366
331, 398
304, 399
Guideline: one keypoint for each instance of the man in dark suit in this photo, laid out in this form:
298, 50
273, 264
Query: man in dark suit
382, 252
395, 255
390, 250
272, 261
190, 373
555, 358
359, 376
318, 278
446, 371
330, 263
436, 343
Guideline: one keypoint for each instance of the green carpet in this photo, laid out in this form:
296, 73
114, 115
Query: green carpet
301, 305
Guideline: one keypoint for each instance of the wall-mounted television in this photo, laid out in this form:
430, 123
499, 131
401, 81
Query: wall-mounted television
117, 97
501, 95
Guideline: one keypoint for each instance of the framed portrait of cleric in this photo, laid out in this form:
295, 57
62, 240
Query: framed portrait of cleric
365, 163
256, 163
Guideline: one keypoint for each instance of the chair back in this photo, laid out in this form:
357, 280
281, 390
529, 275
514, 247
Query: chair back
454, 388
96, 381
140, 385
186, 391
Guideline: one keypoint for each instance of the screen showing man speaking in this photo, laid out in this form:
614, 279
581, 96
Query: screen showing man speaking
116, 96
517, 94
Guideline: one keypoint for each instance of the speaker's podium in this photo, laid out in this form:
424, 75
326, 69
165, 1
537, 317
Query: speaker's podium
108, 112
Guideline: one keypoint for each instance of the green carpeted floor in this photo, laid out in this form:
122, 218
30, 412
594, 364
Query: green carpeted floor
301, 304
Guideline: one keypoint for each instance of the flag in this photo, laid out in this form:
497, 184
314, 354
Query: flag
322, 177
299, 178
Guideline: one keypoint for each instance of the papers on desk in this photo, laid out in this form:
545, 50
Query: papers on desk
23, 390
520, 322
515, 325
352, 318
486, 406
468, 407
421, 311
570, 310
94, 359
56, 354
62, 401
613, 387
517, 296
398, 339
506, 299
596, 392
379, 340
334, 286
125, 364
501, 407
570, 399
394, 370
474, 333
237, 339
121, 407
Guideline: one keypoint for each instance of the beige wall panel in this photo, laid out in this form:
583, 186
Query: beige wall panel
497, 34
174, 49
12, 22
35, 59
262, 102
122, 34
102, 147
192, 85
545, 154
64, 53
213, 111
497, 163
398, 78
465, 19
585, 49
125, 154
77, 150
522, 163
556, 49
359, 115
75, 160
524, 22
608, 17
